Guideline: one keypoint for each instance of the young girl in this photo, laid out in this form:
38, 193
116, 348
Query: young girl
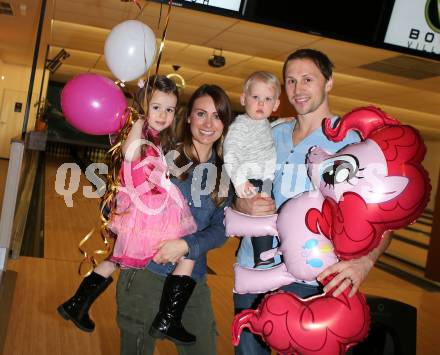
149, 210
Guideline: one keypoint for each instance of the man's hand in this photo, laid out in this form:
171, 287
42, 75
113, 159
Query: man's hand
255, 206
353, 272
348, 273
171, 251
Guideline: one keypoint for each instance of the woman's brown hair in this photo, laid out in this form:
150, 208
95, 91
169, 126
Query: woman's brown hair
186, 148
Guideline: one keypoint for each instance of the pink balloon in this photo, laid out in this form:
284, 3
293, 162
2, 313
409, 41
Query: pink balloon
237, 223
93, 104
305, 254
321, 324
387, 190
363, 190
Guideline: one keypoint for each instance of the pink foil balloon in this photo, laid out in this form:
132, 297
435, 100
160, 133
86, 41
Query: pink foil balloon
318, 325
93, 104
242, 224
387, 190
363, 190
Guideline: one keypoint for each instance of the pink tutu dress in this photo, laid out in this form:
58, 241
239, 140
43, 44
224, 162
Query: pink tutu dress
149, 208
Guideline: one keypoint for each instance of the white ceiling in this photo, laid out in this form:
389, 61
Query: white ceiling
81, 26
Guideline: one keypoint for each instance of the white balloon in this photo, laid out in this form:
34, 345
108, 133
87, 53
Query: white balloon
129, 50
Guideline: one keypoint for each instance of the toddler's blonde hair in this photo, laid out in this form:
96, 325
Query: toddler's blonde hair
263, 77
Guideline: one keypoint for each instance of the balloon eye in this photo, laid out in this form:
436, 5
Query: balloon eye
339, 170
344, 171
329, 176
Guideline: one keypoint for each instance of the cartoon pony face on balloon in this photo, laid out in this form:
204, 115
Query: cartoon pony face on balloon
376, 185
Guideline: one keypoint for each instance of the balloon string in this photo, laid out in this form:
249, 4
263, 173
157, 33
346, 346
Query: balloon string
136, 2
160, 15
159, 56
96, 63
141, 10
164, 34
138, 5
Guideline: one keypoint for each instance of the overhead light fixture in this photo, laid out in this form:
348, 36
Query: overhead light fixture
53, 64
217, 60
177, 78
23, 9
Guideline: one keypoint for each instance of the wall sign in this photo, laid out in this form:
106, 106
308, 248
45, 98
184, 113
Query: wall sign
415, 24
232, 5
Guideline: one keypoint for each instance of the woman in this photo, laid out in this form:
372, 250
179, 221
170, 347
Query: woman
199, 163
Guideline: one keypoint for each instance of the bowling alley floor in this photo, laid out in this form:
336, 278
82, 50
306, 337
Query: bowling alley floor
43, 283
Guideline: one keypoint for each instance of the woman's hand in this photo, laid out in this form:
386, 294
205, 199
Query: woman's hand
258, 205
171, 251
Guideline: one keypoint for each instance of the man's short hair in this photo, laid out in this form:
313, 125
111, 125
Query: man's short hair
323, 63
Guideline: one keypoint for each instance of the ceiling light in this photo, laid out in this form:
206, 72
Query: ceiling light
177, 78
3, 77
53, 64
217, 60
23, 9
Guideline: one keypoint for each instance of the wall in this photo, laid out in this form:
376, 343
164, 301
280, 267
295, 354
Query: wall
432, 164
14, 89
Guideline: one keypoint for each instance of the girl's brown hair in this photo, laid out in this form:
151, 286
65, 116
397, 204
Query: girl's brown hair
184, 137
143, 97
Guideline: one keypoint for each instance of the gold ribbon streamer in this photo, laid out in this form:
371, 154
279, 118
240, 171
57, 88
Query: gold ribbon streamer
161, 46
114, 158
141, 9
86, 257
164, 35
133, 1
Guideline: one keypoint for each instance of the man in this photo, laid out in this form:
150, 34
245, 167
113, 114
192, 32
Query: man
308, 80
